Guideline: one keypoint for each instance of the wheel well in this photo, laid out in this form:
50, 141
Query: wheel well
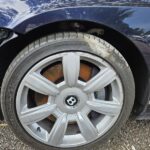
124, 45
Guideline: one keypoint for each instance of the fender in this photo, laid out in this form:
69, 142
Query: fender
25, 15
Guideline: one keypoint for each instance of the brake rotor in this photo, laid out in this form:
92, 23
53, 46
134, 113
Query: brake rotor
54, 74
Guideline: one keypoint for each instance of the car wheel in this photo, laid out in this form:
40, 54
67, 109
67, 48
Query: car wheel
67, 90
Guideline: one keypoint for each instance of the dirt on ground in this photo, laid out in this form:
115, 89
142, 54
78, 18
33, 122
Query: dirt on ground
135, 135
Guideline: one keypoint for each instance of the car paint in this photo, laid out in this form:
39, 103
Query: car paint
128, 17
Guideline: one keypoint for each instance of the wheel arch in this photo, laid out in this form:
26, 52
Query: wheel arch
127, 48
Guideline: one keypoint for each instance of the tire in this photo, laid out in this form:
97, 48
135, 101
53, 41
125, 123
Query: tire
55, 45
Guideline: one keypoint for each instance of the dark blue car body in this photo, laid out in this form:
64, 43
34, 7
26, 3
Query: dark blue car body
125, 21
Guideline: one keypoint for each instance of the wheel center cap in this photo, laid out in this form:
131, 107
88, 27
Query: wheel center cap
71, 100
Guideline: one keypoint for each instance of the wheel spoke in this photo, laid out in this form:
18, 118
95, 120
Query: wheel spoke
87, 129
40, 84
57, 133
36, 114
71, 68
101, 80
105, 107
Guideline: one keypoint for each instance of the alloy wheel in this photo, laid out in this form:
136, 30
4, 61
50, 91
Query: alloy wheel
69, 99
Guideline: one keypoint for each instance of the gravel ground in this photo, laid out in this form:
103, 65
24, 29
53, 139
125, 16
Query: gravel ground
135, 135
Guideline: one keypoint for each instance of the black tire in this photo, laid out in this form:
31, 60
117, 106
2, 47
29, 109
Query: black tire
50, 45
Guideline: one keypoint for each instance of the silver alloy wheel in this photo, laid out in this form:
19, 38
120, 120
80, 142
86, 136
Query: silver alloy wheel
71, 101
